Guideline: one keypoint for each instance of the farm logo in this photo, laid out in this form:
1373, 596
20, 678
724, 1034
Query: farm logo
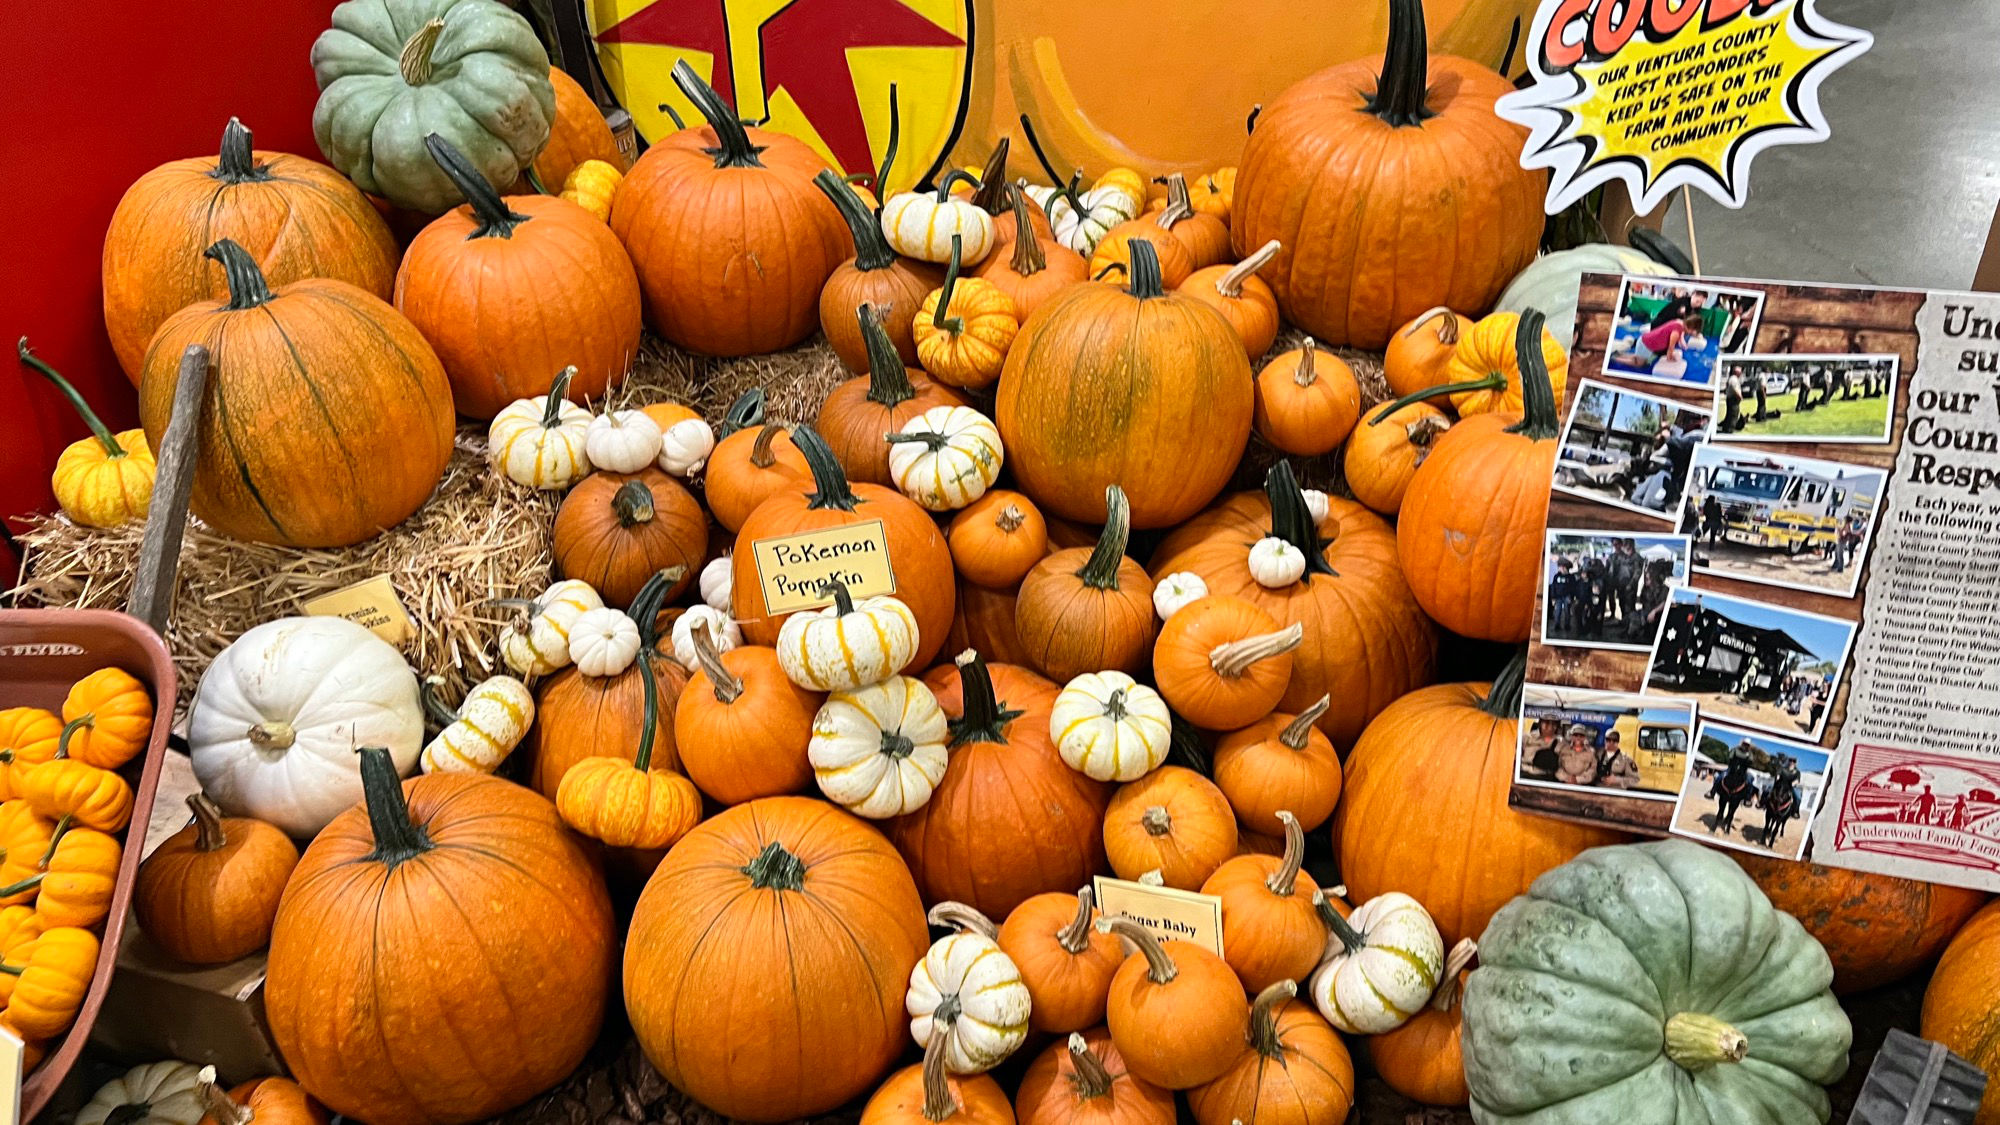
1922, 806
1664, 95
819, 70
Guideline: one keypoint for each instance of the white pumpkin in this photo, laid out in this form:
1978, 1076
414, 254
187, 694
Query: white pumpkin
1383, 962
722, 632
685, 446
280, 712
604, 642
848, 644
1316, 505
1275, 563
1109, 727
717, 582
541, 441
537, 642
879, 751
157, 1093
476, 738
1176, 591
920, 224
1079, 227
1551, 282
966, 983
623, 441
946, 457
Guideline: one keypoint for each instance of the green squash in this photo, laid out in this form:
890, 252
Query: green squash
391, 72
1650, 984
1550, 282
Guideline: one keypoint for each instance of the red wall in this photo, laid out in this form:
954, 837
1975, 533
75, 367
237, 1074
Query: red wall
89, 102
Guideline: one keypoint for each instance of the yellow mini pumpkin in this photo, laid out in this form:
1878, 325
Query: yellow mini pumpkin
477, 737
29, 736
1126, 181
88, 795
109, 716
591, 184
1483, 375
26, 838
74, 885
630, 804
49, 977
964, 329
103, 480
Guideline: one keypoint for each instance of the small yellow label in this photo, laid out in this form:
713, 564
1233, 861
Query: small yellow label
794, 570
13, 1052
1172, 915
372, 604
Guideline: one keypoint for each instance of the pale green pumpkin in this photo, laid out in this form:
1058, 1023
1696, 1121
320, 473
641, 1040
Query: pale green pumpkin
1550, 282
1650, 984
392, 72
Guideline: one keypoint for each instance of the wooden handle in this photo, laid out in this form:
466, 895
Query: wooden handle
160, 550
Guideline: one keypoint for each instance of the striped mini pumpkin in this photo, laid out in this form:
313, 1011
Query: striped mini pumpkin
539, 441
1109, 727
971, 990
946, 457
538, 643
486, 728
849, 644
1386, 960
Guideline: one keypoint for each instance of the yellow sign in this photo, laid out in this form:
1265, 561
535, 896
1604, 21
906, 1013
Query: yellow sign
1664, 95
372, 604
796, 571
1172, 915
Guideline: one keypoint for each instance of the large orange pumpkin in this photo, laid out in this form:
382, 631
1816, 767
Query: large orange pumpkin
1107, 385
1425, 807
296, 218
617, 530
1877, 928
1366, 642
578, 133
1469, 534
1962, 1002
768, 956
875, 277
1009, 820
732, 241
382, 934
510, 289
859, 411
1393, 187
326, 418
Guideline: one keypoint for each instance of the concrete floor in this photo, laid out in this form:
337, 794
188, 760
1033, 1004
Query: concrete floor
1905, 190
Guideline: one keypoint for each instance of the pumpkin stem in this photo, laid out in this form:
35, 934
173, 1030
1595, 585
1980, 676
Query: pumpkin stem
1305, 373
1185, 747
1331, 919
776, 869
1010, 518
939, 1105
632, 503
236, 163
745, 412
984, 717
1449, 989
896, 745
645, 608
1088, 1077
1292, 521
1157, 821
733, 148
1495, 381
1100, 570
643, 760
1075, 937
496, 219
992, 196
1179, 204
1447, 329
965, 919
1160, 968
397, 837
27, 884
931, 439
1233, 658
1401, 91
1231, 284
1503, 699
1144, 280
830, 487
1293, 737
728, 688
1285, 879
552, 403
939, 320
440, 714
1029, 257
275, 734
1042, 158
1658, 247
1425, 431
888, 380
87, 719
1263, 1033
1538, 396
1697, 1041
415, 58
843, 600
247, 288
871, 249
1250, 119
220, 1108
888, 154
209, 833
112, 450
1109, 269
956, 176
760, 448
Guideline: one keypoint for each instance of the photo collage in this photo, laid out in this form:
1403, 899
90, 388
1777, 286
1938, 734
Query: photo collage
1714, 499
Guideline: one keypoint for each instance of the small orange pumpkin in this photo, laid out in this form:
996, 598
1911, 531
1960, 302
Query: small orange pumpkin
1065, 961
1424, 1058
1173, 821
64, 787
1083, 1081
1244, 299
110, 716
1280, 762
1307, 401
742, 725
262, 1101
1483, 375
631, 804
928, 1094
1271, 931
1176, 1011
1223, 663
1419, 354
749, 467
997, 539
1111, 261
209, 893
1204, 236
1290, 1069
1030, 270
617, 530
859, 411
1384, 453
29, 736
1088, 611
964, 328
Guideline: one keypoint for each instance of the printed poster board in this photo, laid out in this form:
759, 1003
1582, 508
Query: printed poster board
1770, 607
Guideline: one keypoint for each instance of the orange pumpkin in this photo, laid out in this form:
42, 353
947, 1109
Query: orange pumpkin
1424, 1058
928, 1094
1419, 354
1366, 642
209, 893
984, 620
1877, 928
858, 412
108, 716
917, 552
510, 289
1959, 1008
30, 736
1425, 810
1176, 1011
875, 277
1009, 820
1271, 930
1111, 259
1082, 1080
704, 201
742, 726
578, 133
1470, 532
1030, 270
1343, 168
1290, 1069
262, 1101
1243, 298
579, 716
997, 539
1087, 611
964, 328
1204, 236
1483, 375
1174, 821
628, 802
1384, 453
780, 889
295, 218
1223, 663
1307, 401
617, 530
1280, 762
1064, 960
355, 1013
748, 467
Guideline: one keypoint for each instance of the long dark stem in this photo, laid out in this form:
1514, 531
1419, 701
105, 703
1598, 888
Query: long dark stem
888, 380
496, 219
237, 161
871, 249
1100, 570
1292, 521
889, 151
955, 176
643, 760
993, 185
1029, 257
247, 289
940, 317
1538, 395
1145, 280
552, 403
830, 486
1404, 87
984, 717
98, 429
733, 148
397, 837
1503, 699
1492, 382
745, 412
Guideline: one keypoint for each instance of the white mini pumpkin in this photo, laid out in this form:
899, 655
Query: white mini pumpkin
718, 582
965, 982
1275, 563
1109, 727
604, 642
1176, 591
1383, 962
280, 712
541, 441
476, 738
156, 1093
1079, 228
722, 631
537, 642
848, 644
623, 441
685, 446
920, 224
1316, 505
946, 457
879, 751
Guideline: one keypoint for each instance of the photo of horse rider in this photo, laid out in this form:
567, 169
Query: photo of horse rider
1736, 773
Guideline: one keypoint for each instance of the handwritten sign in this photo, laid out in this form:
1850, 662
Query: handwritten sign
794, 569
1664, 95
373, 605
1172, 915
